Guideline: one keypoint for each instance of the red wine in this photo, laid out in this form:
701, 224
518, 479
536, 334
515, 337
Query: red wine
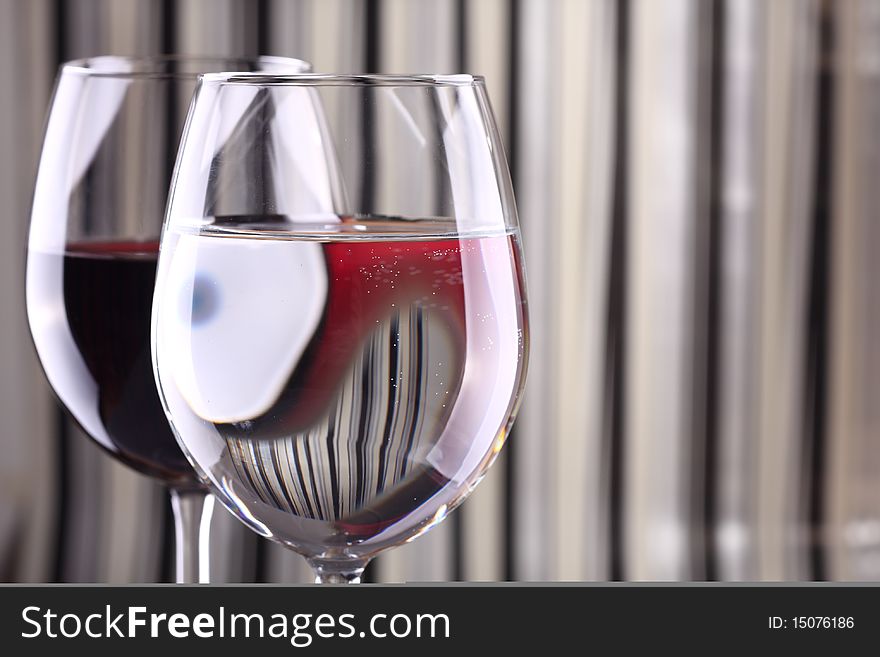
344, 388
90, 313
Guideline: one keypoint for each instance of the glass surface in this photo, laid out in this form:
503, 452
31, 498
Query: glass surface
108, 152
339, 324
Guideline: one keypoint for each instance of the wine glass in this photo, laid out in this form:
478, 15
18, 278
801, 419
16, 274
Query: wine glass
106, 163
340, 332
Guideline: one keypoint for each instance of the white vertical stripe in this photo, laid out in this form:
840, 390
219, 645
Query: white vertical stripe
285, 566
537, 188
215, 27
785, 232
738, 438
482, 514
586, 110
134, 27
231, 544
488, 48
660, 289
339, 25
417, 37
133, 509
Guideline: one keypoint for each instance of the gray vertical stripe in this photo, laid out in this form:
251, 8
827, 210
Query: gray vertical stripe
852, 529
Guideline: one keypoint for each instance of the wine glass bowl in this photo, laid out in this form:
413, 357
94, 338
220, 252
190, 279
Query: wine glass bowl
340, 333
108, 153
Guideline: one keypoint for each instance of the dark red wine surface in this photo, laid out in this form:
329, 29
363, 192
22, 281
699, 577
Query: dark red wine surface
106, 293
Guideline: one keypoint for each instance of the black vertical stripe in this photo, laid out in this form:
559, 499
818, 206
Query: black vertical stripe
362, 443
253, 558
513, 75
320, 512
62, 436
417, 360
298, 470
393, 401
373, 36
372, 44
168, 41
277, 468
461, 64
365, 422
816, 345
372, 64
331, 464
715, 264
264, 21
616, 319
266, 475
262, 45
263, 18
510, 450
261, 560
168, 27
461, 37
60, 31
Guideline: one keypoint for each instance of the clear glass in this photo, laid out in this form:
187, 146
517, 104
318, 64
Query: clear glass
106, 164
340, 333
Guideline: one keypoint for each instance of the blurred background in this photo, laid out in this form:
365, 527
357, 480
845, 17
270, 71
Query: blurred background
697, 183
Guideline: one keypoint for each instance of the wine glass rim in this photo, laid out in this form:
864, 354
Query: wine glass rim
100, 66
258, 78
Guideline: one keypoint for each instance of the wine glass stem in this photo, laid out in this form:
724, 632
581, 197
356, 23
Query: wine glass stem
336, 572
192, 528
336, 578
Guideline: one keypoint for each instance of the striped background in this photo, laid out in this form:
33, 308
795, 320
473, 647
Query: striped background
696, 183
